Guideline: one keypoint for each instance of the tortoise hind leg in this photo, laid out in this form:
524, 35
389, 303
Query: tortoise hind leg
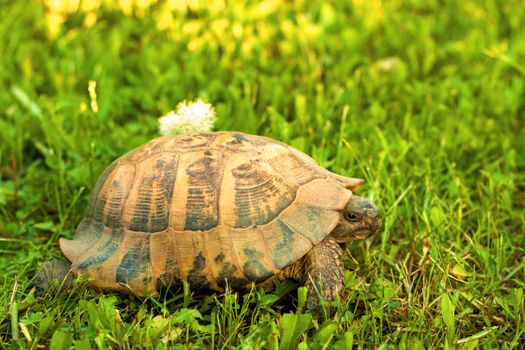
53, 277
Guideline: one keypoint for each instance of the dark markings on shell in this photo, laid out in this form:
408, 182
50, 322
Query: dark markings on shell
312, 228
202, 204
107, 208
236, 143
135, 262
168, 174
284, 250
227, 277
197, 278
151, 212
194, 141
237, 139
145, 151
260, 193
113, 212
99, 206
141, 214
90, 212
253, 269
219, 258
105, 250
170, 282
172, 268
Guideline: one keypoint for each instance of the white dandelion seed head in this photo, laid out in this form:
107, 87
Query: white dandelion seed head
196, 116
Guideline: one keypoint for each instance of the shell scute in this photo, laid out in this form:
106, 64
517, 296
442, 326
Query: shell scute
164, 262
134, 263
194, 262
204, 176
253, 255
324, 194
107, 206
148, 204
313, 223
288, 164
107, 248
286, 245
99, 260
260, 194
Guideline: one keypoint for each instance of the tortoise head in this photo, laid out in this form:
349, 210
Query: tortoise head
359, 219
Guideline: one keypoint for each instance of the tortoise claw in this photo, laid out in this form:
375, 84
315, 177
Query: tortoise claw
318, 292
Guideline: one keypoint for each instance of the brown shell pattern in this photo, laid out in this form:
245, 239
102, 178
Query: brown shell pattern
209, 208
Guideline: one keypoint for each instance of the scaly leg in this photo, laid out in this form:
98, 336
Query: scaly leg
323, 272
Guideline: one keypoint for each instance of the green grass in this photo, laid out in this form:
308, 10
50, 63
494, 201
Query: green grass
423, 99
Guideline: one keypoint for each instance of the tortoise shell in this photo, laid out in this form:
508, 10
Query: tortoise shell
208, 208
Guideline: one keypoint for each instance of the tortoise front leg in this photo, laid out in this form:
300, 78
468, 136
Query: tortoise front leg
52, 278
323, 272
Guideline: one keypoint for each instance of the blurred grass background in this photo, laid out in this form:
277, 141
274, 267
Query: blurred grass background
423, 99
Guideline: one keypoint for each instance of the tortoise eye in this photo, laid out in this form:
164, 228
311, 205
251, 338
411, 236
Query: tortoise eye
351, 217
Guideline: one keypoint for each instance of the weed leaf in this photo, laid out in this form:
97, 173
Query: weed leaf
61, 341
292, 327
447, 312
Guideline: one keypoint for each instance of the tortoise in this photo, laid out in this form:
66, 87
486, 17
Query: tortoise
215, 209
